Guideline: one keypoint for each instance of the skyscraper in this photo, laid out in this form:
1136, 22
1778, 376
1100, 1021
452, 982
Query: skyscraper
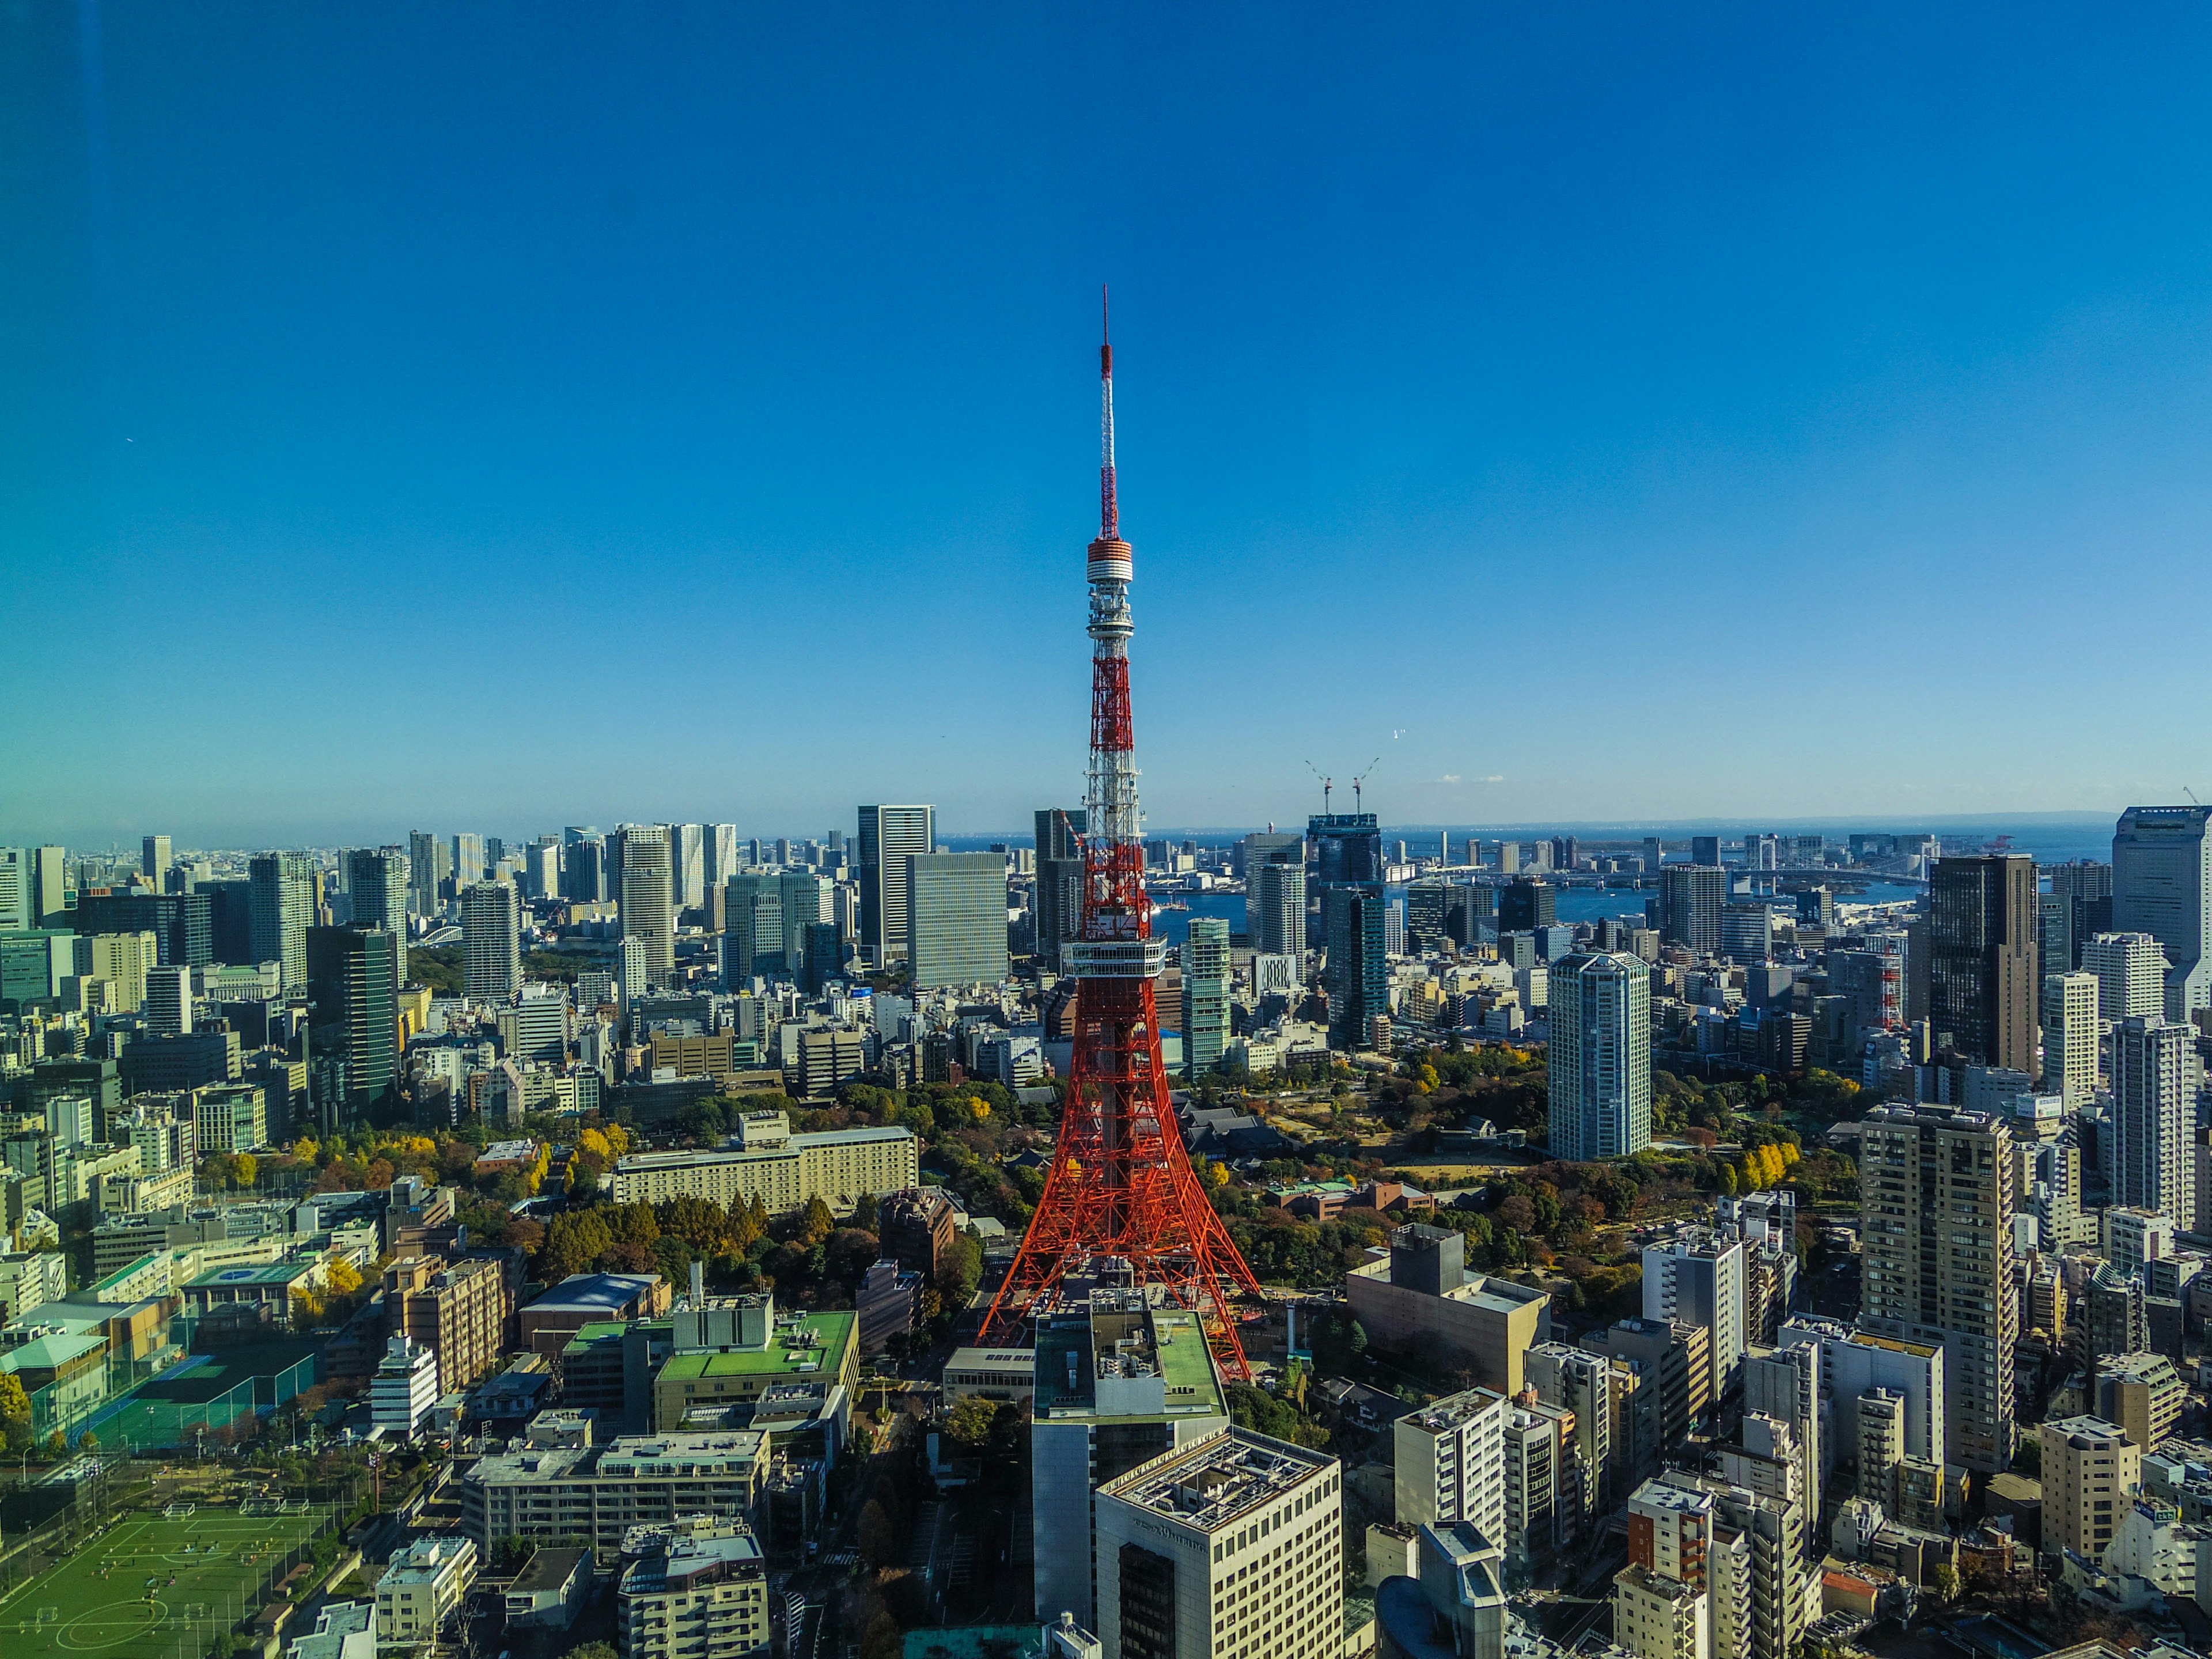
491, 940
804, 902
1204, 995
380, 882
353, 982
1059, 880
282, 905
153, 862
1935, 1203
2082, 889
584, 871
888, 835
1526, 904
649, 913
2162, 886
49, 886
468, 859
2130, 975
956, 906
690, 844
2071, 1029
425, 857
721, 855
17, 884
1275, 906
1600, 1056
1348, 871
1983, 983
1692, 898
753, 932
2155, 1074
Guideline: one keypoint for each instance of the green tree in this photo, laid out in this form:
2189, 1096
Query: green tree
962, 1270
815, 1223
970, 1422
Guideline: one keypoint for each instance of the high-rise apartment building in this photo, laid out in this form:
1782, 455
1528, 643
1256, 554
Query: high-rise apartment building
282, 905
1698, 1279
1275, 907
2130, 975
888, 836
2155, 1075
1204, 995
955, 915
2162, 886
153, 862
427, 860
1984, 985
1600, 1056
1059, 879
2070, 1031
381, 882
1692, 896
1935, 1202
468, 862
458, 1310
695, 1588
491, 940
690, 842
1233, 1545
648, 907
353, 986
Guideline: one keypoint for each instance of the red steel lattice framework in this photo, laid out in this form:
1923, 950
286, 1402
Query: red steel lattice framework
1121, 1186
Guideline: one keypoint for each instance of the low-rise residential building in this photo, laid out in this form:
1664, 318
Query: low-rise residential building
598, 1493
2090, 1469
28, 1278
550, 1590
426, 1580
693, 1589
836, 1166
343, 1630
2142, 1394
458, 1310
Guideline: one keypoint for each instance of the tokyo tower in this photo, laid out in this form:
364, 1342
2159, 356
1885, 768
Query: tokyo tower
1121, 1188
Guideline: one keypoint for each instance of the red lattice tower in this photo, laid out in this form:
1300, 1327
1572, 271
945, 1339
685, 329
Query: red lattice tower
1122, 1185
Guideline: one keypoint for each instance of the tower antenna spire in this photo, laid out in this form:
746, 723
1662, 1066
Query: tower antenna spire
1109, 505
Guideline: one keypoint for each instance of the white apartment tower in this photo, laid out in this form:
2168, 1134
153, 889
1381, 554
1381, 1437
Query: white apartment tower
1451, 1461
2130, 973
1599, 1011
2156, 1074
2070, 1024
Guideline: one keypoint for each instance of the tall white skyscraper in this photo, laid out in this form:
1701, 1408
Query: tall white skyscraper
2071, 1029
468, 859
721, 855
1600, 1056
690, 844
491, 942
2162, 886
281, 907
889, 836
2156, 1074
2130, 971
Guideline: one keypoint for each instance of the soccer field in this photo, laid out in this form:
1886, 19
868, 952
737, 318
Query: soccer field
152, 1589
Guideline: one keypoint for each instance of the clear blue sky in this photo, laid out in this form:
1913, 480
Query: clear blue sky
460, 416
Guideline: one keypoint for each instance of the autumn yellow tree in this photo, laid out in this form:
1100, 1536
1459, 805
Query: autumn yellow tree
246, 1170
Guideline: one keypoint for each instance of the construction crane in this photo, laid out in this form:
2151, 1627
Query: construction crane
1361, 778
1326, 785
2191, 793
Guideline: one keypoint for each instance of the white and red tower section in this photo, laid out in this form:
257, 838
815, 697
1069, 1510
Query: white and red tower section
1121, 1186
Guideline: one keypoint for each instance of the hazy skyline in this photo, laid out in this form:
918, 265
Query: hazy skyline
508, 418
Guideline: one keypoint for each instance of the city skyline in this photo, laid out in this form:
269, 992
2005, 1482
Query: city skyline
1565, 339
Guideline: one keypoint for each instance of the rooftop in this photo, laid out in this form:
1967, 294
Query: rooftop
1112, 1343
266, 1272
635, 1162
549, 1570
832, 1335
1218, 1481
607, 1290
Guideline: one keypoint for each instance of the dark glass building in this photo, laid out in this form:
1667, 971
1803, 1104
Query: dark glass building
1982, 977
1347, 851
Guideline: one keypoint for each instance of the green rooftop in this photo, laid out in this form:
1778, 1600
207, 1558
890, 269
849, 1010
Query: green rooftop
834, 1333
598, 1331
267, 1272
